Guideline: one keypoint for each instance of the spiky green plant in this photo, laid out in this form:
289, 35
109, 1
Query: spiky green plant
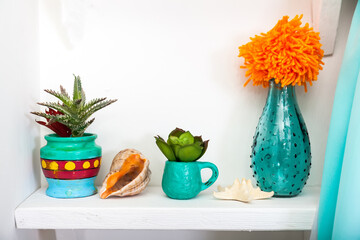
76, 111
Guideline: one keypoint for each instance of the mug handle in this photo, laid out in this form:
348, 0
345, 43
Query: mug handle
214, 176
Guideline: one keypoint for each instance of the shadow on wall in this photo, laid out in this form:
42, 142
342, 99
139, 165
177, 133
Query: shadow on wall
176, 235
36, 159
41, 234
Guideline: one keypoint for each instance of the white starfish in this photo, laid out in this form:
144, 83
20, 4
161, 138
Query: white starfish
241, 191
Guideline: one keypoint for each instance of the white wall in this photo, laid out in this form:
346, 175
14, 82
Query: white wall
19, 91
170, 63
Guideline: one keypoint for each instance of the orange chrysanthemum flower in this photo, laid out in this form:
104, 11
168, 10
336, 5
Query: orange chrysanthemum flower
288, 53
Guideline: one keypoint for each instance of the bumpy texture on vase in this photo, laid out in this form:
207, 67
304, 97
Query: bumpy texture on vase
281, 154
70, 165
129, 175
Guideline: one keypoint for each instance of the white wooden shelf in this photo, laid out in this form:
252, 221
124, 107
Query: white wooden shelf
153, 210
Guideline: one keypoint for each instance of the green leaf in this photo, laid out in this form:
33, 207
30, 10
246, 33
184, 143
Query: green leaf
165, 149
176, 148
92, 103
64, 92
83, 125
173, 140
63, 98
204, 146
80, 129
77, 88
44, 115
54, 118
63, 119
176, 132
186, 138
83, 97
62, 108
190, 153
198, 139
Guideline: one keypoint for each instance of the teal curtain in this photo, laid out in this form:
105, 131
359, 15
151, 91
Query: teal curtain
339, 208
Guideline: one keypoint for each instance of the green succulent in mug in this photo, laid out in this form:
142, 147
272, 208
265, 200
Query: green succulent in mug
182, 146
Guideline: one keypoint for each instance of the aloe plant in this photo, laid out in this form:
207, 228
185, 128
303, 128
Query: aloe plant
182, 146
75, 111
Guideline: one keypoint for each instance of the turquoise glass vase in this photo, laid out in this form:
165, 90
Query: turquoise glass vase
281, 153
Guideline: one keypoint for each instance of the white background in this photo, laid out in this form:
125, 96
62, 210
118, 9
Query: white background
170, 64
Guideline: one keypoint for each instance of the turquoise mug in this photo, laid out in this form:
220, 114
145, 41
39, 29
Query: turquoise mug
182, 180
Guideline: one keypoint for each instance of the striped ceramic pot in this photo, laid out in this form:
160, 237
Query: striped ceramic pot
70, 165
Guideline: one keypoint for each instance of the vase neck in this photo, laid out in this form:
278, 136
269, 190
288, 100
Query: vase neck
278, 93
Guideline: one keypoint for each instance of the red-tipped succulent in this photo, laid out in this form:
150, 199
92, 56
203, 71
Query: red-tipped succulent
59, 128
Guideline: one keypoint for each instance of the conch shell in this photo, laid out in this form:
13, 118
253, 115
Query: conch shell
241, 191
129, 175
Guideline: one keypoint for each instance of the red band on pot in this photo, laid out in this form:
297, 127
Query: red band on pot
67, 169
68, 165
